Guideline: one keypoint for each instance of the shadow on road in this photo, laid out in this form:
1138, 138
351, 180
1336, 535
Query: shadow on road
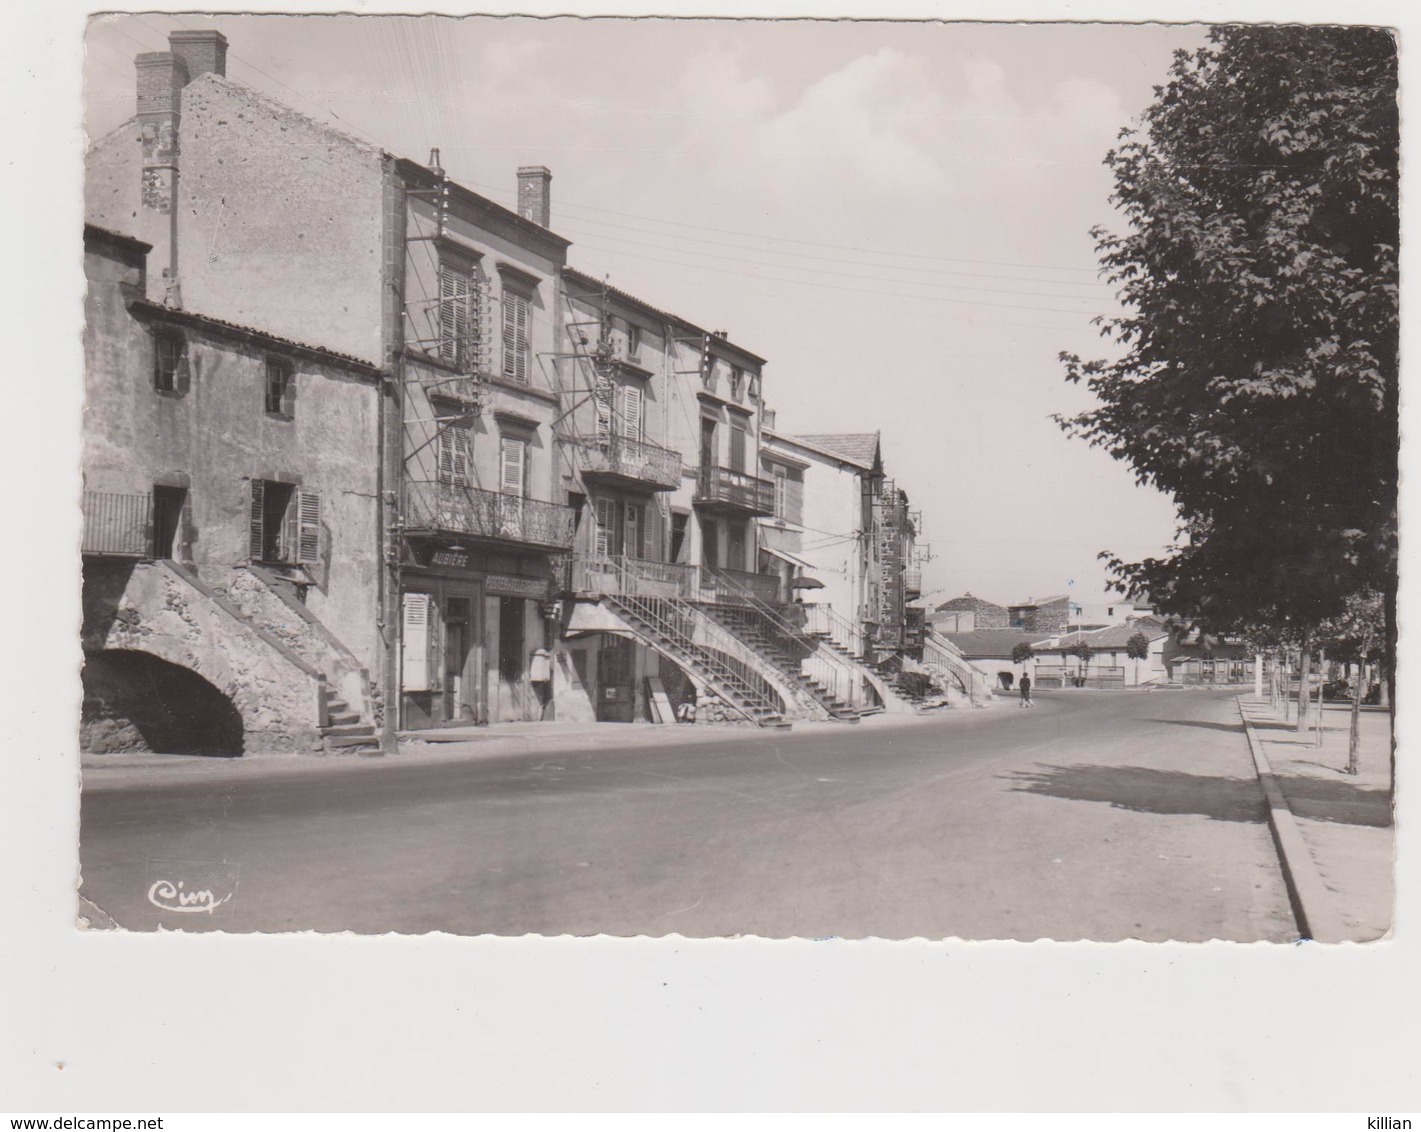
1149, 791
1334, 800
1236, 728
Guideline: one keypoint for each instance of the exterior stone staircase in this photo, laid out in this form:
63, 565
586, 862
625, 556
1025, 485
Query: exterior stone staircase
346, 709
790, 652
669, 625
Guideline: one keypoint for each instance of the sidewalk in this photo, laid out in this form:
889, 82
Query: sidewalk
1345, 822
490, 741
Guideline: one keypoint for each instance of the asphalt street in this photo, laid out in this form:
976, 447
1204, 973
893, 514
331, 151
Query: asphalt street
1095, 815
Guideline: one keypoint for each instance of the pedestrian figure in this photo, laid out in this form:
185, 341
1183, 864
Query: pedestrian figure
1025, 687
686, 713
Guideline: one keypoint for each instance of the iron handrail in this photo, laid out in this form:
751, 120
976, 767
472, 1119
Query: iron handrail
827, 668
762, 693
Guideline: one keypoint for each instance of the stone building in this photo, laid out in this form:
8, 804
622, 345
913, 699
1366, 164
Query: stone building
231, 528
265, 218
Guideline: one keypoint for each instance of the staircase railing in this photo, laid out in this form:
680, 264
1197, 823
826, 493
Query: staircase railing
713, 658
821, 664
941, 658
825, 620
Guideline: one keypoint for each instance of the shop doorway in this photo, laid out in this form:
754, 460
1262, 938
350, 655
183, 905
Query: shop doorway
616, 680
458, 645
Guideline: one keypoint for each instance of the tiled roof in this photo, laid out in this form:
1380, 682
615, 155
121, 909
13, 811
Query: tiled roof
857, 447
1037, 601
1115, 636
992, 642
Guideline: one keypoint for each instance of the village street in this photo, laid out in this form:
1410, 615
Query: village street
1097, 815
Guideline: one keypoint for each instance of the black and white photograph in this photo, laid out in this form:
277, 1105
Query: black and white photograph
899, 480
750, 559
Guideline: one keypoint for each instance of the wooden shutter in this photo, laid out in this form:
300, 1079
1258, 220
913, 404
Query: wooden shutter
414, 644
737, 449
631, 412
606, 526
308, 526
512, 463
454, 314
454, 445
256, 539
515, 336
603, 399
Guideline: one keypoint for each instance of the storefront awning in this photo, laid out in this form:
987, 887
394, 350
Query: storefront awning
596, 619
792, 559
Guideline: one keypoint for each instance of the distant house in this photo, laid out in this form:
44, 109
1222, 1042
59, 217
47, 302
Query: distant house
967, 613
1057, 665
989, 651
1045, 615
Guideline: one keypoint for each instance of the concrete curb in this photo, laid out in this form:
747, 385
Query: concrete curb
1313, 907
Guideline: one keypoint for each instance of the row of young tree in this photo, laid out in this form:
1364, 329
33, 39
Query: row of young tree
1256, 377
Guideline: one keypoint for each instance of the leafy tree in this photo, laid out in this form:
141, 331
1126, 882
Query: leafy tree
1022, 653
1256, 381
1137, 648
1083, 651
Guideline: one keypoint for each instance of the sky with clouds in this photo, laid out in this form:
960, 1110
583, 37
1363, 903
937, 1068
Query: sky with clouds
896, 215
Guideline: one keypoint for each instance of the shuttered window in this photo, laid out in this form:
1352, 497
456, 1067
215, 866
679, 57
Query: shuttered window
606, 527
603, 400
737, 449
284, 524
414, 643
516, 311
280, 388
781, 493
634, 540
170, 362
455, 445
513, 465
256, 530
631, 412
456, 315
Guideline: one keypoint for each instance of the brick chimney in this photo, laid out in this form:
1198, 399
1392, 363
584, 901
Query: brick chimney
200, 52
161, 78
535, 194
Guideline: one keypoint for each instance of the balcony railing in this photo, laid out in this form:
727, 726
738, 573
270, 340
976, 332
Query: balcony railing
622, 458
735, 587
491, 515
118, 524
725, 489
597, 574
913, 580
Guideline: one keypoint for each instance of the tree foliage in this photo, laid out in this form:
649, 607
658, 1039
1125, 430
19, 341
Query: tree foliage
1022, 653
1256, 381
1138, 647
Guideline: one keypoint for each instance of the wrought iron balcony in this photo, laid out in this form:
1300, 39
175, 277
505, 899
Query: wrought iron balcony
737, 587
724, 489
637, 463
489, 516
596, 574
913, 580
118, 524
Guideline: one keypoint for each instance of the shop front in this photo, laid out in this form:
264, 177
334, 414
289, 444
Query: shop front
472, 626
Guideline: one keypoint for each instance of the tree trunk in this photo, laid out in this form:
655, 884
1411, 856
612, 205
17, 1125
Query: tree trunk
1304, 670
1354, 735
1321, 679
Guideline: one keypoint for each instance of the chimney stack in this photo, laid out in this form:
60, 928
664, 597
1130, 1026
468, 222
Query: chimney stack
161, 78
200, 52
535, 194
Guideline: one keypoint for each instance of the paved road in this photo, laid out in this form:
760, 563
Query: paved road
1096, 815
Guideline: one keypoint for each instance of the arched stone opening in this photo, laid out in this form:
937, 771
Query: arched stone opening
135, 701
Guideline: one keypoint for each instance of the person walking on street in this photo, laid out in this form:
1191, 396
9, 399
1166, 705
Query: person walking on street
1025, 687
